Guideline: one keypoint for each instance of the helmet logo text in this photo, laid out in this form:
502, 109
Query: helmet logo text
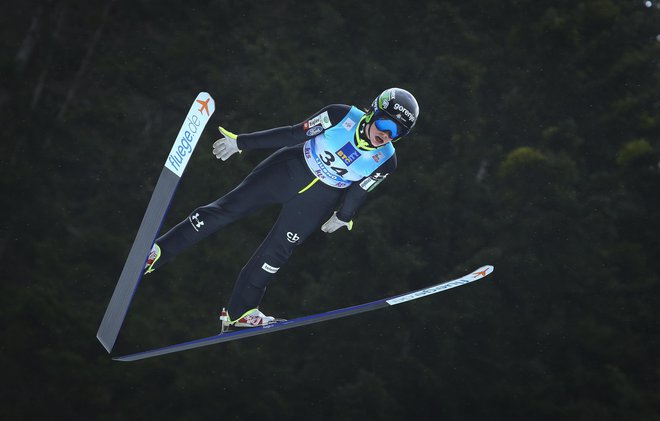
405, 111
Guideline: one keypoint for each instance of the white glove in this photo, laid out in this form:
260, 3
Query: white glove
225, 147
334, 223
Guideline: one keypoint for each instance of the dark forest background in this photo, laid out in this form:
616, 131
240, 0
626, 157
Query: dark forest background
537, 151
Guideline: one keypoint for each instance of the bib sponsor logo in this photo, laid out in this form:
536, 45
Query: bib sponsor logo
348, 124
348, 154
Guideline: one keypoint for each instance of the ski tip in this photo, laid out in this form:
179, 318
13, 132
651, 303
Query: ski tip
482, 272
207, 102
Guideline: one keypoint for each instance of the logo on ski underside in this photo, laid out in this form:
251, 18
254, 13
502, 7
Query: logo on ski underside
205, 106
186, 143
480, 273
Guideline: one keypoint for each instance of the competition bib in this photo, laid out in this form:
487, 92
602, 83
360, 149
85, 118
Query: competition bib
333, 157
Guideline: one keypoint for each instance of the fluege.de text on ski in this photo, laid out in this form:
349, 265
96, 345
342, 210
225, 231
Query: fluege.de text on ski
185, 144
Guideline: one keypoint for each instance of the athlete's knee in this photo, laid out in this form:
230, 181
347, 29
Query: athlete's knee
273, 254
196, 219
210, 217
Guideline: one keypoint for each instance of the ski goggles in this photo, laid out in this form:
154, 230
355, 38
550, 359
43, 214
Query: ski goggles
391, 127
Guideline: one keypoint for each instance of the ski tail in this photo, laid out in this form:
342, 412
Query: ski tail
184, 145
137, 257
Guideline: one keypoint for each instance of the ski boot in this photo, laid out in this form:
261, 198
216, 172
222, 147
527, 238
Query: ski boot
154, 255
251, 318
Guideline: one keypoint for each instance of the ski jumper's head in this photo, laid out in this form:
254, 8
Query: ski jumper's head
391, 116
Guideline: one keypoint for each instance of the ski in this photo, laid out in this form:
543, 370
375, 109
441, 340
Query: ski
184, 145
315, 318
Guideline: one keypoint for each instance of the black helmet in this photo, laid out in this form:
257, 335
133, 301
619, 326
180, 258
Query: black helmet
398, 105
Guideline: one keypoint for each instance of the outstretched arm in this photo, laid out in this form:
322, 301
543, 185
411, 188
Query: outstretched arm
292, 135
355, 195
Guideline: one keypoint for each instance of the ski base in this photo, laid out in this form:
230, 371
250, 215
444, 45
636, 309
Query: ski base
176, 162
306, 320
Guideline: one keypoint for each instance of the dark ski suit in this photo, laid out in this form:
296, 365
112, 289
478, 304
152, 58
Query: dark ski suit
286, 178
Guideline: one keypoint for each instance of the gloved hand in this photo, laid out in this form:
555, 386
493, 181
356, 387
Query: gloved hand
334, 223
225, 147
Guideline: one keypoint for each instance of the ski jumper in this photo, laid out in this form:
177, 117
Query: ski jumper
318, 169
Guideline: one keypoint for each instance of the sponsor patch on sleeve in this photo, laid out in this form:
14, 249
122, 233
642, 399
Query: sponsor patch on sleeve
370, 183
322, 120
314, 131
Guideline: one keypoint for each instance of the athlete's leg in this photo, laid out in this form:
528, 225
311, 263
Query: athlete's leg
268, 183
299, 218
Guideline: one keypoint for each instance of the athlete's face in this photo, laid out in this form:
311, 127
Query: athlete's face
377, 137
